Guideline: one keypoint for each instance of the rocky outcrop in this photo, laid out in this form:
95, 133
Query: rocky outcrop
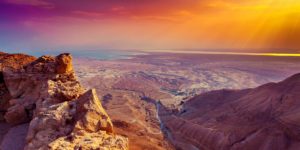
64, 64
263, 118
62, 114
81, 124
8, 61
15, 61
37, 86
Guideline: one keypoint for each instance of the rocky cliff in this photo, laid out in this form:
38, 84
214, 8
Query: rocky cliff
62, 114
263, 118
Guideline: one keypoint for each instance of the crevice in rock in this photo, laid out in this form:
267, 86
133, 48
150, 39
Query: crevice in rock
1, 78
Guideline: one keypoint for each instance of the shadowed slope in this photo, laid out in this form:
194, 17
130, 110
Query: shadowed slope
263, 118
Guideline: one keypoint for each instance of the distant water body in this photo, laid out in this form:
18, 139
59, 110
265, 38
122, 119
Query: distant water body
91, 54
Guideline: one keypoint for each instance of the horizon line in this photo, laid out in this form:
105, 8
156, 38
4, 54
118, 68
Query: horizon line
275, 54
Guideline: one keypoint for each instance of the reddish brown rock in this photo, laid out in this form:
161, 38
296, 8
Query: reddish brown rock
10, 61
64, 63
38, 86
263, 118
15, 61
46, 92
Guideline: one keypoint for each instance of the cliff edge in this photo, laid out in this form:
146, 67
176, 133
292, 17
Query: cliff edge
62, 114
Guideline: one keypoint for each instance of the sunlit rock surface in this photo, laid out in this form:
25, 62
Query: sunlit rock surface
46, 93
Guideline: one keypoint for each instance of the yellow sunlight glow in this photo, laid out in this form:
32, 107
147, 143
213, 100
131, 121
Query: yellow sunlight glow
226, 53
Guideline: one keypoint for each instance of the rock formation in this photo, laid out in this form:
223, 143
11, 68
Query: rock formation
8, 61
263, 118
62, 114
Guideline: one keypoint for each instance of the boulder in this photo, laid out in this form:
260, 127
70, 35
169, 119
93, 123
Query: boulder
64, 63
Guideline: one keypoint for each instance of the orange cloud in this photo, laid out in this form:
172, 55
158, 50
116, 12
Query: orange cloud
170, 24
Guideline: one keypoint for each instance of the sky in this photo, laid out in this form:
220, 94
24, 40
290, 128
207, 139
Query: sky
213, 25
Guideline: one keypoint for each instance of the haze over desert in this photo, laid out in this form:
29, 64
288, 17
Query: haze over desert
149, 75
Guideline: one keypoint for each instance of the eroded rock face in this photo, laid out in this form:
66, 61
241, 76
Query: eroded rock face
46, 92
15, 61
81, 123
90, 114
37, 86
64, 64
263, 118
9, 61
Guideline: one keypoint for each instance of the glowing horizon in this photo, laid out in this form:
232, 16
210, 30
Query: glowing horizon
226, 53
239, 26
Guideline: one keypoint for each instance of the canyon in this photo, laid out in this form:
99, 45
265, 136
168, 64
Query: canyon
142, 92
155, 101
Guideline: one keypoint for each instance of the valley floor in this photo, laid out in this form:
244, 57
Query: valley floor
130, 88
